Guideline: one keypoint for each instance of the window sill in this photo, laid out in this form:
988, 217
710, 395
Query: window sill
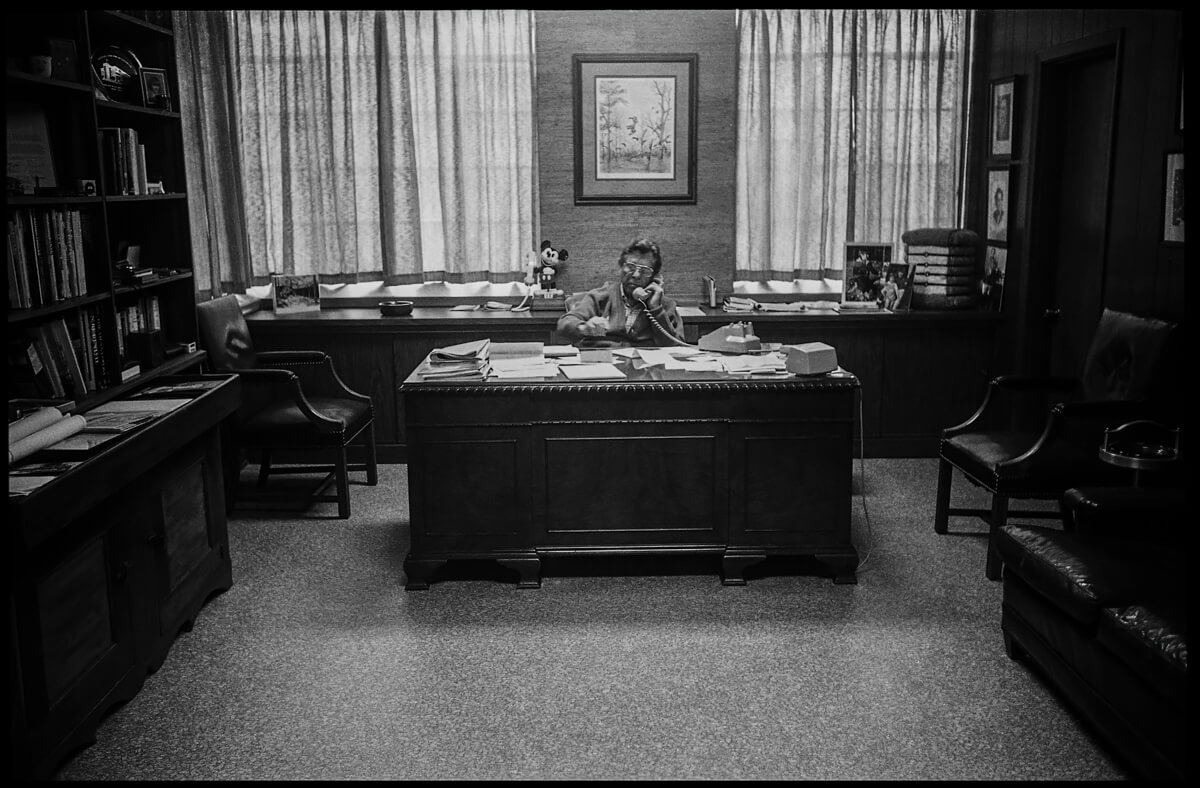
447, 294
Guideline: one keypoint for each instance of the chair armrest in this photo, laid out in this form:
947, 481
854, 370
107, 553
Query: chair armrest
1081, 423
317, 366
1134, 512
285, 357
285, 384
1019, 383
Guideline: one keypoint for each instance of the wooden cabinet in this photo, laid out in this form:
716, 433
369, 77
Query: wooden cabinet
99, 180
107, 563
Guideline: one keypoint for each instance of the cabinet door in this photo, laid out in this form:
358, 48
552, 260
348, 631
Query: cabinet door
182, 523
78, 645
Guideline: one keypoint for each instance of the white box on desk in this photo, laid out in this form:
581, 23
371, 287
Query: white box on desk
811, 358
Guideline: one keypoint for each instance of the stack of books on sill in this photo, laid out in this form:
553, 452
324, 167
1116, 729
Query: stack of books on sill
464, 361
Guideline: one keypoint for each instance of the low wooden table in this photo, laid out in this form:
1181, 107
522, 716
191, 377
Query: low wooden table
663, 462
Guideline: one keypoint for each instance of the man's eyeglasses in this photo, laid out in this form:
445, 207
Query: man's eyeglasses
634, 268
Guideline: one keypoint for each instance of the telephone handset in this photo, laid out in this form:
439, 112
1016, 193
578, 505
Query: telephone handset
642, 294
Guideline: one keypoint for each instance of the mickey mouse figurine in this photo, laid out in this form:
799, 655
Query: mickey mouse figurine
551, 260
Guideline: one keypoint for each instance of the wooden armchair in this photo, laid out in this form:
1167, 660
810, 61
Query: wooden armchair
293, 401
1121, 382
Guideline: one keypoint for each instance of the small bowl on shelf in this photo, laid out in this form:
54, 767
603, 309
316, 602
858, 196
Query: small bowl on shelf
395, 308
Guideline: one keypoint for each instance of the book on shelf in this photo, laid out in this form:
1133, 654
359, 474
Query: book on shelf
66, 350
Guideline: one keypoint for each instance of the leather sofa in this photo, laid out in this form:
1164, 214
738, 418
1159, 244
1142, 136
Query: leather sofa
1100, 608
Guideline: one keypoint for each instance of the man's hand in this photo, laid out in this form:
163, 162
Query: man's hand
654, 301
595, 327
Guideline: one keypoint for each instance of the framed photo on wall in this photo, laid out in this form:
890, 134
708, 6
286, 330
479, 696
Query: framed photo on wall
999, 202
1003, 119
1173, 198
635, 128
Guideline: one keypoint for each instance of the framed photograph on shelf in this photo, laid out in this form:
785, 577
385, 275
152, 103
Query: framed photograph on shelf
1173, 198
863, 274
995, 265
292, 293
1003, 119
635, 128
896, 292
155, 91
999, 202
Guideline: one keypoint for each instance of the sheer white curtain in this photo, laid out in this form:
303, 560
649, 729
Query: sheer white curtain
850, 129
358, 145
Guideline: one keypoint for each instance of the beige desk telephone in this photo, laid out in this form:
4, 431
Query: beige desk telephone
733, 338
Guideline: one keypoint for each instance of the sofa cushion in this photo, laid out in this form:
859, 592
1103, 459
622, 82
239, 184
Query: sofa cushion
1152, 640
1081, 576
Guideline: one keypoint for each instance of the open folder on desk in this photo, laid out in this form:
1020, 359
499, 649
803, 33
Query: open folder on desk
591, 372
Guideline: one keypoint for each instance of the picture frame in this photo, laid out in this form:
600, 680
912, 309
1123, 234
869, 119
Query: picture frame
635, 128
991, 284
295, 293
30, 164
1172, 222
896, 292
156, 93
64, 62
1002, 118
863, 274
998, 205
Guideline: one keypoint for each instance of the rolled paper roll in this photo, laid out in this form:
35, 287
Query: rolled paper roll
27, 425
47, 436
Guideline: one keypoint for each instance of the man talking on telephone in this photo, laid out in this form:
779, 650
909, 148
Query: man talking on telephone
634, 310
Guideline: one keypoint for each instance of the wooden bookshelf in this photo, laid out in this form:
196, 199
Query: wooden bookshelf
66, 237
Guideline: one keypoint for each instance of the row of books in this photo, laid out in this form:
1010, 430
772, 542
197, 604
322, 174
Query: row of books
143, 315
124, 161
59, 359
45, 256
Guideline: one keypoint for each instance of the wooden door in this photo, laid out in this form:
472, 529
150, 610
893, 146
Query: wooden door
1071, 181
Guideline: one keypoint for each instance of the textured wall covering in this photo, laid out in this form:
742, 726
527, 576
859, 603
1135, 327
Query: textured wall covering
695, 239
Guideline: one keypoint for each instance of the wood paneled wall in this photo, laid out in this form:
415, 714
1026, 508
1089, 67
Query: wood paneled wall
1142, 274
695, 239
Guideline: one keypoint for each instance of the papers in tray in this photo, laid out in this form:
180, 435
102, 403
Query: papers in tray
123, 415
592, 372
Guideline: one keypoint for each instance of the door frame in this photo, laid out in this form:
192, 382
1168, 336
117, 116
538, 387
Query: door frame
1033, 353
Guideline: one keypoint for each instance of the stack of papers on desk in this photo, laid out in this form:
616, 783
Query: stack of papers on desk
464, 361
476, 350
768, 364
592, 372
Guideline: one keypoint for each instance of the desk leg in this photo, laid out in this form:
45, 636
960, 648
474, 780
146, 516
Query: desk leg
418, 572
734, 565
528, 567
842, 564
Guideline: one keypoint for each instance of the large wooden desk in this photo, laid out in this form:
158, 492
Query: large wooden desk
664, 462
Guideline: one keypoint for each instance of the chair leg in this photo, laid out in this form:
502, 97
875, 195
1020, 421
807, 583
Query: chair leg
941, 511
372, 463
343, 485
995, 521
264, 467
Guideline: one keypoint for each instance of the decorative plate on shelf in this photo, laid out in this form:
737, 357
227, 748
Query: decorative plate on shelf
119, 73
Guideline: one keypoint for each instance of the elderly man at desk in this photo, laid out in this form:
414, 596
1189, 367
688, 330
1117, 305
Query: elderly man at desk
633, 310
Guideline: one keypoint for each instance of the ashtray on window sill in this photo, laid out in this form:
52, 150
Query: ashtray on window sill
395, 308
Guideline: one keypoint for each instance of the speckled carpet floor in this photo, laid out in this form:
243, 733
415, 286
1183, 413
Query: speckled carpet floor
317, 664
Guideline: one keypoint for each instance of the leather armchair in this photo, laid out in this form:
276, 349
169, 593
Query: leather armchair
1122, 381
293, 401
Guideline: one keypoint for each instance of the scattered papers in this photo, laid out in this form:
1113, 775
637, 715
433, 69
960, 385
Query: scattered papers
184, 387
592, 372
689, 311
560, 351
136, 405
658, 357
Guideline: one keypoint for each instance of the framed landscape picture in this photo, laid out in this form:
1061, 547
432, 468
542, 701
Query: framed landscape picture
291, 294
1003, 122
635, 128
863, 276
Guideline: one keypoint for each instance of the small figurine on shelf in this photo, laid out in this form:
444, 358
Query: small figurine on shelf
551, 260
